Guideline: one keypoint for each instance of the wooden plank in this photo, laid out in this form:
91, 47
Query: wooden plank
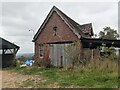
58, 56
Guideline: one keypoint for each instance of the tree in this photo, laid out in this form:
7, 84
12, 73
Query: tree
108, 33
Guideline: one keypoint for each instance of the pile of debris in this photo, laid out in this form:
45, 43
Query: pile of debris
27, 63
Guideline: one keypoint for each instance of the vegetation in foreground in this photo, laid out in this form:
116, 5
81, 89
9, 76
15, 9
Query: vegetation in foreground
96, 74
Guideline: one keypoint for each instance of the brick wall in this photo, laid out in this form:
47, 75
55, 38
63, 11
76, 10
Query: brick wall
63, 33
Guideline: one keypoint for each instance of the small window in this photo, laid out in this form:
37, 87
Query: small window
55, 31
41, 50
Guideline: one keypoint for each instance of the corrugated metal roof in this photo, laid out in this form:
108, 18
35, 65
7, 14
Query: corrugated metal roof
95, 42
4, 44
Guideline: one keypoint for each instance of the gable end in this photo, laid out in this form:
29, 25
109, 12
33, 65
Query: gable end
54, 9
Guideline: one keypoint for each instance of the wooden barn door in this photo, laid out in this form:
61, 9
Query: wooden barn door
58, 56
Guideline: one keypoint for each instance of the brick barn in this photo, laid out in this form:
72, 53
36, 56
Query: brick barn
58, 31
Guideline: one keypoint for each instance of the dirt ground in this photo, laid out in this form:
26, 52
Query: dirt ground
0, 79
14, 80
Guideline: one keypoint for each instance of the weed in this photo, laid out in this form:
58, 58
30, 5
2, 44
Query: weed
96, 74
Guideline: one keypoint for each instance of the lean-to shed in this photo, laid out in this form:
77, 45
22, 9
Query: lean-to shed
8, 52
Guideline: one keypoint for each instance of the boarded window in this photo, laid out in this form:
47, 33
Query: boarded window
41, 50
55, 31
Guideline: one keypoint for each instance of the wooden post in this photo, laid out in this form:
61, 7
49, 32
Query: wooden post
3, 51
81, 51
119, 54
92, 56
14, 55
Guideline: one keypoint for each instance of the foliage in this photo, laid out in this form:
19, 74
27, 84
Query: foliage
73, 52
108, 52
108, 33
95, 74
22, 58
48, 64
103, 65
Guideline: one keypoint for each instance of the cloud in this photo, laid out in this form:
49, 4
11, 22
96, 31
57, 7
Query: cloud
19, 17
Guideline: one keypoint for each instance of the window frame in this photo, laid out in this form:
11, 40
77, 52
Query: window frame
55, 31
41, 50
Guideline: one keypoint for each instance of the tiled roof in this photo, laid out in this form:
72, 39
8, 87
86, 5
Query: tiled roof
87, 28
79, 30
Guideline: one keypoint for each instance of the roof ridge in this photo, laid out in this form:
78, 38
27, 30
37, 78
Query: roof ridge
54, 8
67, 16
73, 25
2, 39
76, 25
70, 21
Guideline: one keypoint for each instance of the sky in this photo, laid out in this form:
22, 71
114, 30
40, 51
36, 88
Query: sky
18, 18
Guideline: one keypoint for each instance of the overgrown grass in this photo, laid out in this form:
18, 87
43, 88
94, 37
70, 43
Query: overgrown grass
95, 74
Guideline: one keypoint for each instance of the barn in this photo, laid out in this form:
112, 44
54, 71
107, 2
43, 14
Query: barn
8, 52
59, 31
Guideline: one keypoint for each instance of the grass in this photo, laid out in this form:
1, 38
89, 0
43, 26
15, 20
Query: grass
65, 78
102, 75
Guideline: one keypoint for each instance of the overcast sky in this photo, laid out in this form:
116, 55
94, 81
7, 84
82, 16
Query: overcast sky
19, 17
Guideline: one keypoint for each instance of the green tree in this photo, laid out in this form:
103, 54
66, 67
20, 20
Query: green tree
108, 33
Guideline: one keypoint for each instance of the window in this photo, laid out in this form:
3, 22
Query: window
41, 50
55, 31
